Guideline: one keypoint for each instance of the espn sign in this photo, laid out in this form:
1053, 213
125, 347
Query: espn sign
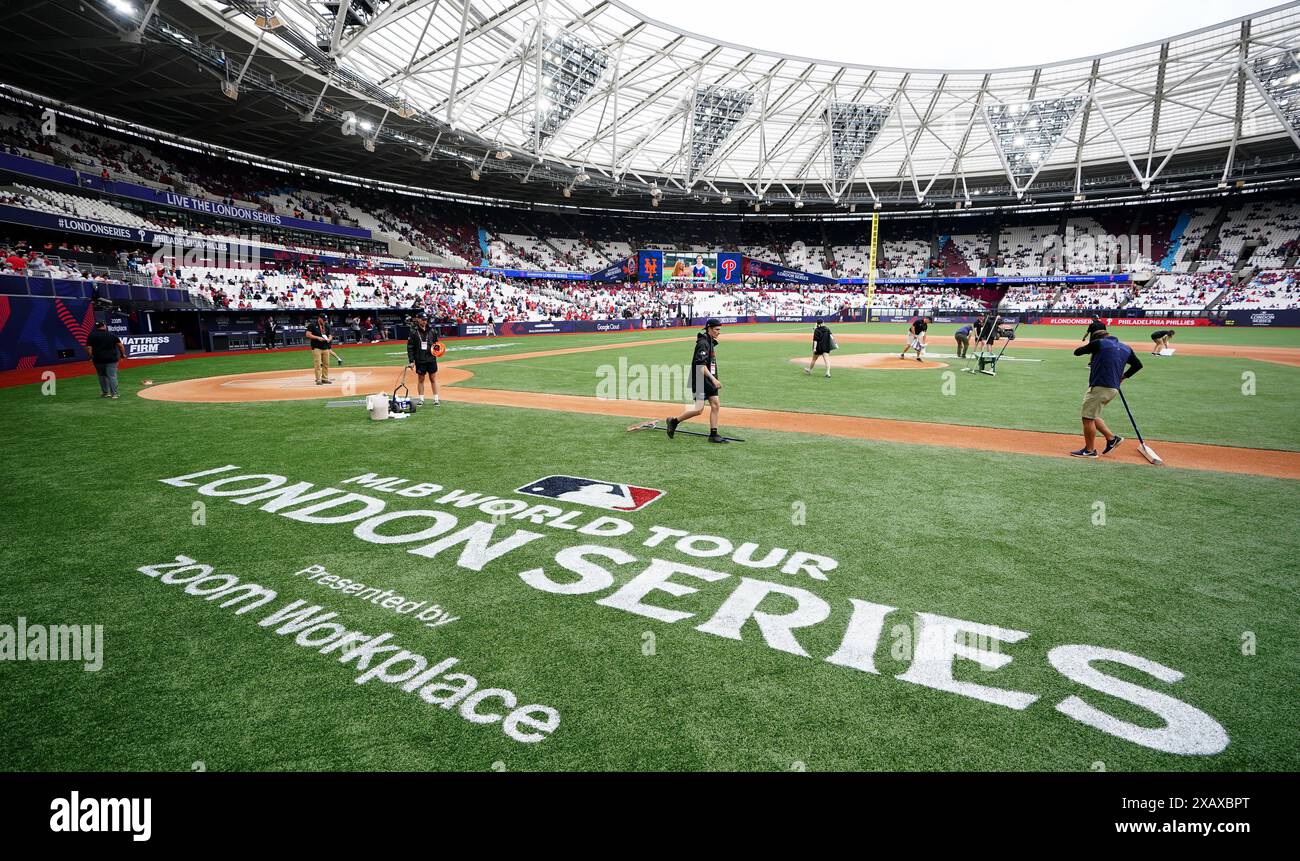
149, 346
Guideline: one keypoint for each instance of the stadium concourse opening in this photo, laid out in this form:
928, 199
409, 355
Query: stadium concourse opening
324, 326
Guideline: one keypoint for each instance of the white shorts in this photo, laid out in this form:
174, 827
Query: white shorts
914, 342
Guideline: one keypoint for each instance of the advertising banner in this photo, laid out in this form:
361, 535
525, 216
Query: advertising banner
1163, 322
1281, 317
54, 173
778, 274
153, 346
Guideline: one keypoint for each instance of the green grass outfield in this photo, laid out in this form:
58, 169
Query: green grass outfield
1195, 571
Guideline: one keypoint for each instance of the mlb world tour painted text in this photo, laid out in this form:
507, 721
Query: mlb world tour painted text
774, 610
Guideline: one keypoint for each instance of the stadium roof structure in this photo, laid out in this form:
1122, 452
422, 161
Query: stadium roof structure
594, 99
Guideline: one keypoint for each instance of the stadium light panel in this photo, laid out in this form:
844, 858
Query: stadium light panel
1281, 84
1026, 134
853, 129
714, 116
570, 69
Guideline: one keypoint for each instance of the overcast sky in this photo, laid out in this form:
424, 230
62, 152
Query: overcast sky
943, 34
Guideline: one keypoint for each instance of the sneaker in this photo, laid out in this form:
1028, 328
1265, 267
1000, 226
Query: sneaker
1083, 452
1112, 443
918, 358
806, 371
327, 382
672, 427
437, 403
718, 439
419, 402
828, 375
104, 395
112, 397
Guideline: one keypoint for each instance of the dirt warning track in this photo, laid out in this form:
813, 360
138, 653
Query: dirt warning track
1277, 355
299, 385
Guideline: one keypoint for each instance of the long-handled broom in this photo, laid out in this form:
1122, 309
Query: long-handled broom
1145, 450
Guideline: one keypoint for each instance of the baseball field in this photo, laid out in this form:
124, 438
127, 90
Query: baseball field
896, 568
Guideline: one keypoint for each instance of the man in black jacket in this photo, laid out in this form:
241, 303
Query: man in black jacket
823, 343
704, 381
106, 351
419, 354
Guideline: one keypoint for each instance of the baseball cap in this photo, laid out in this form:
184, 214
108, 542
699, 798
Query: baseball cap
711, 322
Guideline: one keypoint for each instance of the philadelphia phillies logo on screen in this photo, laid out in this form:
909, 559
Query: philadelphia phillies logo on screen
729, 267
588, 491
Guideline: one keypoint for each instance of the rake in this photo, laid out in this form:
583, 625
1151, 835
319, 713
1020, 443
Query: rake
1145, 450
654, 425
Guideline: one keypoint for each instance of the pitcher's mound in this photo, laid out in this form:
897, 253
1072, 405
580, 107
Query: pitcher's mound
291, 385
874, 361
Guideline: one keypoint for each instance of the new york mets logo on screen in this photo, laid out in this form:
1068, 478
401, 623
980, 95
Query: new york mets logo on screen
609, 495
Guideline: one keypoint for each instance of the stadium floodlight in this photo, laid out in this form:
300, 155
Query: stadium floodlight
714, 116
852, 129
1026, 134
123, 6
570, 69
726, 198
268, 17
798, 203
474, 174
581, 177
502, 154
1280, 83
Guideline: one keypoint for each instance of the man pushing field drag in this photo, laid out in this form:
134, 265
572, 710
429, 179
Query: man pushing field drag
1106, 372
704, 381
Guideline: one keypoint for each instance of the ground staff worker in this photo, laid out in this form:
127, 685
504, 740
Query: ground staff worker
1106, 372
823, 343
318, 335
704, 381
420, 356
963, 340
106, 351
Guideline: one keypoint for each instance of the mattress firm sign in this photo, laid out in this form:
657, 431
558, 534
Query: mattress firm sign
757, 592
147, 346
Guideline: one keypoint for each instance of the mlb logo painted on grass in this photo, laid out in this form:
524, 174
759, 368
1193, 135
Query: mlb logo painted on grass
588, 491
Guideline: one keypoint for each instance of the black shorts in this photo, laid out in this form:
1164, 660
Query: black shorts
429, 367
704, 390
